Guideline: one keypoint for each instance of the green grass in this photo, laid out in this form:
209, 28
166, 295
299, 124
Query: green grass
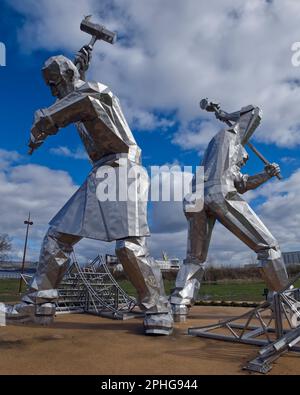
228, 291
235, 291
129, 288
9, 290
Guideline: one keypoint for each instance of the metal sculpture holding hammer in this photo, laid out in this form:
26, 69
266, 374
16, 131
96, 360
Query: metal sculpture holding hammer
108, 141
221, 200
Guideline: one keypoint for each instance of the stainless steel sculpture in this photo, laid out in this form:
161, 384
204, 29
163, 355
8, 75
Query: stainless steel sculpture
223, 184
108, 140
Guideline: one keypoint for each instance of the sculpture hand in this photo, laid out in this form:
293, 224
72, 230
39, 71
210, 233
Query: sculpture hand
43, 124
36, 139
272, 169
221, 115
83, 58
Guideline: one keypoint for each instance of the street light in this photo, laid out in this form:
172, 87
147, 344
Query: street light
28, 223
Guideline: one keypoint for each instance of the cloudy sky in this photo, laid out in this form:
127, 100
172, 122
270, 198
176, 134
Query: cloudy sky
169, 55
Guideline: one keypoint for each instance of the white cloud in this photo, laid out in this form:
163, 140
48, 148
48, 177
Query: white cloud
279, 210
172, 53
79, 153
197, 135
88, 249
144, 120
43, 191
52, 24
169, 186
7, 157
289, 160
225, 249
28, 187
169, 229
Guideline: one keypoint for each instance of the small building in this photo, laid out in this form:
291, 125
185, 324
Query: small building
291, 258
168, 264
111, 259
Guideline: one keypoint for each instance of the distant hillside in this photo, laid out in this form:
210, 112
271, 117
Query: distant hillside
12, 265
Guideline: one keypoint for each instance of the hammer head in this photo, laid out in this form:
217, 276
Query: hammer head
210, 106
98, 32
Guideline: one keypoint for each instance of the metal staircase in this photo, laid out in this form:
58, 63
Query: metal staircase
92, 289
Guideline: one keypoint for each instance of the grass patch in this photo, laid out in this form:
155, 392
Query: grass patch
9, 290
252, 291
129, 288
227, 291
233, 290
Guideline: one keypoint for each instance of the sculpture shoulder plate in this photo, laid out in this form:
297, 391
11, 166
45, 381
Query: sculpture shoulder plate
94, 88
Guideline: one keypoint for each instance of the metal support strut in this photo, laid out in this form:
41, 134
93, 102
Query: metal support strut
275, 326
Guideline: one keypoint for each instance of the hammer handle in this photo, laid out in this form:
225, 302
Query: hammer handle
92, 42
262, 158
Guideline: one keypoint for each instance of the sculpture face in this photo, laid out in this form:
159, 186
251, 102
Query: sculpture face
250, 118
61, 75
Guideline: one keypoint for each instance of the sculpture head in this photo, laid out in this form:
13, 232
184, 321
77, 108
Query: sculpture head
61, 75
250, 118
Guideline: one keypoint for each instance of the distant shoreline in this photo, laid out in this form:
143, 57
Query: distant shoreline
15, 273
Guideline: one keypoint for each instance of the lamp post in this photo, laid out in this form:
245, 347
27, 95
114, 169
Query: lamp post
28, 223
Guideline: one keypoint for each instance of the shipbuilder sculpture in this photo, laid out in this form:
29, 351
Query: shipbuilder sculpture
108, 141
221, 200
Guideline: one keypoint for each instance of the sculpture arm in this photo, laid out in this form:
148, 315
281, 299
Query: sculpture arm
251, 182
244, 182
82, 60
73, 108
225, 116
41, 128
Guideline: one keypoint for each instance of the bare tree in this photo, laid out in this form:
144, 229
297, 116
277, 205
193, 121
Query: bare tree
5, 246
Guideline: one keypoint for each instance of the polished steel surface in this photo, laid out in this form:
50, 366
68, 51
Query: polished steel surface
223, 185
108, 140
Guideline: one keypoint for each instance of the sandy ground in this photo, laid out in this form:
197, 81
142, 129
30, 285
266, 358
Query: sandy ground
85, 344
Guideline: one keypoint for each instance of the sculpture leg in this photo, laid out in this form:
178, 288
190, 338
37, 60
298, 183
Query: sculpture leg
236, 215
188, 281
146, 277
53, 262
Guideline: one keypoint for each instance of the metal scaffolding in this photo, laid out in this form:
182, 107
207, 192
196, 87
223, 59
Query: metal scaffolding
92, 289
273, 325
